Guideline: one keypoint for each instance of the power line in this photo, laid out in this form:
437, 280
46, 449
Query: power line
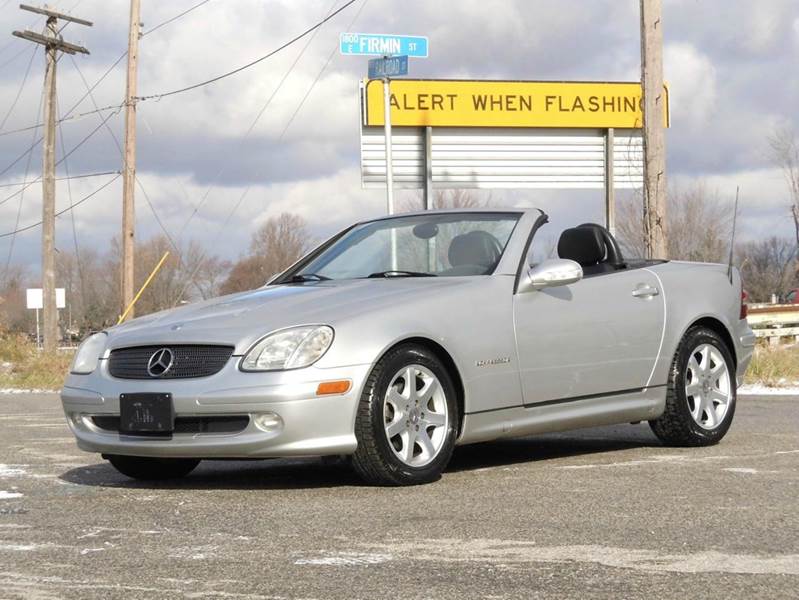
67, 209
175, 18
251, 128
66, 119
70, 177
21, 87
21, 198
74, 148
319, 75
250, 64
249, 187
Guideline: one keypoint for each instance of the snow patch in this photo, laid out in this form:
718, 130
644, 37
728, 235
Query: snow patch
9, 495
345, 559
11, 470
758, 389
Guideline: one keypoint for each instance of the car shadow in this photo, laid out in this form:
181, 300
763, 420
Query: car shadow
312, 473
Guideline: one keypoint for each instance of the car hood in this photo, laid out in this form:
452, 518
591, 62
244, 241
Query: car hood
241, 319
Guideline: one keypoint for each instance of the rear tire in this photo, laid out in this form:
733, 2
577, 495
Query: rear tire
407, 420
701, 396
153, 469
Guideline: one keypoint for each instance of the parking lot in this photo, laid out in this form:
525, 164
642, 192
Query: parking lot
604, 512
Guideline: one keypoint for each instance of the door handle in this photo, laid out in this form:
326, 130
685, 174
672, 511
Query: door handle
646, 291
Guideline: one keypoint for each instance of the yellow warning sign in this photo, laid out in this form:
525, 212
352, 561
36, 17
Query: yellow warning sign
457, 103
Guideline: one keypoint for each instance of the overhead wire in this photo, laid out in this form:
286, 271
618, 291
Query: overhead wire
252, 126
251, 63
19, 91
121, 154
19, 206
68, 208
175, 18
81, 176
78, 264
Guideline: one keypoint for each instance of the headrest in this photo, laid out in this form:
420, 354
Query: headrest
474, 248
583, 245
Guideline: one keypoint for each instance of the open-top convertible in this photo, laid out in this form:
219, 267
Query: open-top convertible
402, 337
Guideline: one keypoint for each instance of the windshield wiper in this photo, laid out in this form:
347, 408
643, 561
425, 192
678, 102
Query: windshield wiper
303, 277
395, 273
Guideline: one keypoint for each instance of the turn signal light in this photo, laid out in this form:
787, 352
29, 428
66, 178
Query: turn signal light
333, 387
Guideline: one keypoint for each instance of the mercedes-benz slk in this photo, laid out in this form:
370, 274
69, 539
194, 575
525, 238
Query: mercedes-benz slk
402, 337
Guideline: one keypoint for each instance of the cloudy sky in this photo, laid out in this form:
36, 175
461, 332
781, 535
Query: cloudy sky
733, 69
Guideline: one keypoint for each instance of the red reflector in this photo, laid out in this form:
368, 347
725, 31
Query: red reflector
744, 307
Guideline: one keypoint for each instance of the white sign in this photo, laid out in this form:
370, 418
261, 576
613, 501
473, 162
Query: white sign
35, 298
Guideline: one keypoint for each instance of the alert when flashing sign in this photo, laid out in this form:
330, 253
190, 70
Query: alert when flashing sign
378, 44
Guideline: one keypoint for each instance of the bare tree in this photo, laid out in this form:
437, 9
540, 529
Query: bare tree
450, 198
278, 243
767, 267
13, 312
699, 225
785, 150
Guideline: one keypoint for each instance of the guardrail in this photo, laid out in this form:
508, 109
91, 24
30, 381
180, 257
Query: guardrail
773, 322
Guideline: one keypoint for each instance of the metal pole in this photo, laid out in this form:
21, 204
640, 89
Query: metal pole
389, 166
129, 170
387, 128
428, 168
50, 328
654, 107
610, 187
38, 335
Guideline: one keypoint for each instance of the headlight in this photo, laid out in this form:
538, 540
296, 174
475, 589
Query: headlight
88, 354
292, 348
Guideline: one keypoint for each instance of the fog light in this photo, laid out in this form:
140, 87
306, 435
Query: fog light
268, 421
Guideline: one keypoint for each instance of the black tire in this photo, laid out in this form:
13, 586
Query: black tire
676, 426
153, 469
374, 460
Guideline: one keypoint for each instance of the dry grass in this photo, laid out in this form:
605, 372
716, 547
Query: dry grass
774, 366
23, 366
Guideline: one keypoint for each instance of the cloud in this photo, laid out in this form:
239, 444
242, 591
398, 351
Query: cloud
730, 67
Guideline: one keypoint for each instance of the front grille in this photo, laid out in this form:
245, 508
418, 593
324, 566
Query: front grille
189, 361
225, 424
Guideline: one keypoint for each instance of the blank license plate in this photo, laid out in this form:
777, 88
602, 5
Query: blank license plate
146, 413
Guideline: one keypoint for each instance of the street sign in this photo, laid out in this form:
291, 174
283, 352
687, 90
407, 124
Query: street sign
378, 44
390, 66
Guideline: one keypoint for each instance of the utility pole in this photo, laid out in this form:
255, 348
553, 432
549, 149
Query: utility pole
129, 170
52, 44
654, 113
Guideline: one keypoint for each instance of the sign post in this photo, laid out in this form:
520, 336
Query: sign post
35, 300
395, 50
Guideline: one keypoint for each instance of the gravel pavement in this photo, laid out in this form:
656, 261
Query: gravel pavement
605, 513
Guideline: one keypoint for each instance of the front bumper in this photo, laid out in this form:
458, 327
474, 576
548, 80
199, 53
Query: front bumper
309, 425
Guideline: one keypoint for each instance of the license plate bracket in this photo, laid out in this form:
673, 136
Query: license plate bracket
146, 413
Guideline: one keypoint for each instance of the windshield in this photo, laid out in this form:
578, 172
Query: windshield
441, 245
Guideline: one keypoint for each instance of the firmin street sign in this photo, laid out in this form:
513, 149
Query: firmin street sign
380, 44
459, 103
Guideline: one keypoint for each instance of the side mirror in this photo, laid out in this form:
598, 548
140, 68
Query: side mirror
551, 273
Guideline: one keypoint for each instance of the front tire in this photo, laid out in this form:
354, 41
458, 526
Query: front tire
153, 469
701, 396
407, 419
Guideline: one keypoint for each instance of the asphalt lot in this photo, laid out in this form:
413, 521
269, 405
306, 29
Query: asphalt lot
603, 512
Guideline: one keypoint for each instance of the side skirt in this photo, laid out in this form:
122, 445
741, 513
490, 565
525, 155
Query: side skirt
561, 415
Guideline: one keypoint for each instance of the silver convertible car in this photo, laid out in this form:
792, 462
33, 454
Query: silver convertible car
402, 337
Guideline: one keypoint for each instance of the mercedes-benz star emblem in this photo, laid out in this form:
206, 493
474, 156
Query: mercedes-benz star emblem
160, 362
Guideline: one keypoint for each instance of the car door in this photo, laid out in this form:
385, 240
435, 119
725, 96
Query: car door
598, 336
